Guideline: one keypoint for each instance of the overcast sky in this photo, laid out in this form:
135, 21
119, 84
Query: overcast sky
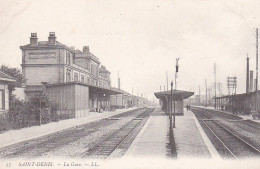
142, 38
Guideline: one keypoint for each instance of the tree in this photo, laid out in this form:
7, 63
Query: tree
15, 73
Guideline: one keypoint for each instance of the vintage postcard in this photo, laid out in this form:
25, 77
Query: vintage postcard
129, 84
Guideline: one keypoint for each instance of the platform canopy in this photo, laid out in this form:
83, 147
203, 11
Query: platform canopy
92, 88
176, 94
240, 96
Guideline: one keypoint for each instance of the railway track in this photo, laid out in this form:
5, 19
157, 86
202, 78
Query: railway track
39, 146
119, 139
218, 115
228, 144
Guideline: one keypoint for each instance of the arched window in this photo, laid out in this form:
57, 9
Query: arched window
82, 79
76, 77
73, 59
68, 58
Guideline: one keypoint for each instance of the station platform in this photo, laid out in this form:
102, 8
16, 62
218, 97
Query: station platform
152, 140
190, 139
245, 117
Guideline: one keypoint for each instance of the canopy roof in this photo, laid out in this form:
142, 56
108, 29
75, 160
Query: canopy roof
242, 95
92, 88
176, 94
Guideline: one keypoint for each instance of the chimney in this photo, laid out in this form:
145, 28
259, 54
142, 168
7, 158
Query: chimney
119, 83
85, 49
33, 39
52, 38
72, 47
247, 74
251, 81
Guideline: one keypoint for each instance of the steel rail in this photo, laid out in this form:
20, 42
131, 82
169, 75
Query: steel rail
217, 136
42, 140
126, 137
128, 133
248, 144
230, 132
227, 115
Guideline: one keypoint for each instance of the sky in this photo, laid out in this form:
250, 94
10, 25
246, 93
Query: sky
142, 38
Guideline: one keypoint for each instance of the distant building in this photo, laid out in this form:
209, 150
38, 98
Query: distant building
5, 80
127, 100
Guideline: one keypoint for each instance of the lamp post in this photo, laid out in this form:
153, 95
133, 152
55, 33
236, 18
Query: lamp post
171, 106
40, 109
172, 114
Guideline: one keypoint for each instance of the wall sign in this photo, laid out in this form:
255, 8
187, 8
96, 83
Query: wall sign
42, 55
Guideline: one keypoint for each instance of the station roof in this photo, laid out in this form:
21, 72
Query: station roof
177, 94
237, 95
5, 77
92, 88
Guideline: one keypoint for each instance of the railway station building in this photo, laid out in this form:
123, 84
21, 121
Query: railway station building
74, 79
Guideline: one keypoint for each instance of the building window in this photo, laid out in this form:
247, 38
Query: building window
87, 66
96, 71
68, 58
76, 77
88, 80
92, 69
82, 79
68, 78
73, 60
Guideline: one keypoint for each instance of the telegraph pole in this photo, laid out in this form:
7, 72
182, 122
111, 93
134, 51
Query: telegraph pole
167, 79
256, 87
199, 95
177, 70
40, 109
206, 92
171, 106
215, 85
209, 92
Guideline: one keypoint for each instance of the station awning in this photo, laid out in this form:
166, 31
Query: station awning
92, 88
242, 95
101, 90
176, 94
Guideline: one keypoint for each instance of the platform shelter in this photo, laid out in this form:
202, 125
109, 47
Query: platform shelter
244, 103
177, 99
